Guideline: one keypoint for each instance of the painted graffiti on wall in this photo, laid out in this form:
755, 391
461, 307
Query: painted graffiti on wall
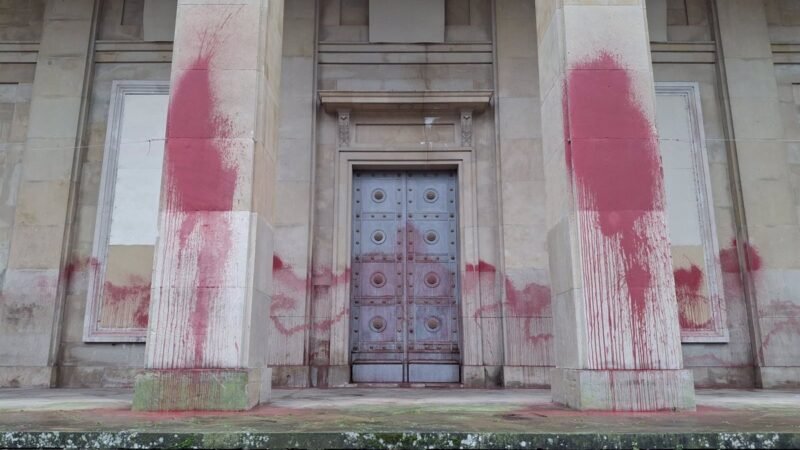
530, 304
290, 290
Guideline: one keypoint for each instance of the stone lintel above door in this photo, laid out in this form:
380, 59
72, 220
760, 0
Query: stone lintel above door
475, 101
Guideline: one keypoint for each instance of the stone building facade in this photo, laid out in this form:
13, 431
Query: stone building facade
209, 199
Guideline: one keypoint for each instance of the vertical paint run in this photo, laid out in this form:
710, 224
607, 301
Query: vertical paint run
200, 182
612, 150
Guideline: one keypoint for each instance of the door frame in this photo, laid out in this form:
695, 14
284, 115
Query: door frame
462, 162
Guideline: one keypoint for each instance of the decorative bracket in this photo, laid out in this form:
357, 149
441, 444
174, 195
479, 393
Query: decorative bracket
466, 128
344, 127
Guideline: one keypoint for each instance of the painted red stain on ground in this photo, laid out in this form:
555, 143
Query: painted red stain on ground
693, 307
613, 154
200, 183
729, 258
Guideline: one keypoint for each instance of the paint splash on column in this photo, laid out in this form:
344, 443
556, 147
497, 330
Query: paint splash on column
612, 150
200, 181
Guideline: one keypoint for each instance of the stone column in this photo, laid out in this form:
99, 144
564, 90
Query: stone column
768, 256
616, 326
207, 343
33, 288
292, 318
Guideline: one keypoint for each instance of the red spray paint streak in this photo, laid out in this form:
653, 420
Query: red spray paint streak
612, 150
290, 291
530, 302
200, 183
693, 308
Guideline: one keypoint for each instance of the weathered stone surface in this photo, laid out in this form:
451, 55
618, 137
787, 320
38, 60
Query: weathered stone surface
198, 390
287, 192
396, 418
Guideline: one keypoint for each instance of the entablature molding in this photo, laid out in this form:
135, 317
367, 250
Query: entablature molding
475, 101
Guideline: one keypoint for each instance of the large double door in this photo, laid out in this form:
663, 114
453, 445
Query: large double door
404, 292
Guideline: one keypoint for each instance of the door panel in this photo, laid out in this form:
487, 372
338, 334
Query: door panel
377, 333
404, 301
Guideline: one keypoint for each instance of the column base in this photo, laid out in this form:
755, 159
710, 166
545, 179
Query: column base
27, 376
290, 376
481, 376
201, 389
526, 377
624, 390
330, 376
778, 377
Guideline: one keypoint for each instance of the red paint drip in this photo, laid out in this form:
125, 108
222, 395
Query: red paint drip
199, 179
613, 153
729, 258
694, 312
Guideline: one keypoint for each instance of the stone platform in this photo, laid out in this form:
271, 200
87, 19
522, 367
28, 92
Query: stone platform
396, 418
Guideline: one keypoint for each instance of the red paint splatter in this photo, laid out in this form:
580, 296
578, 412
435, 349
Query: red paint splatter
729, 258
484, 310
75, 267
277, 263
142, 314
613, 154
781, 308
481, 267
289, 289
199, 182
784, 327
530, 302
135, 292
198, 175
693, 309
533, 300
